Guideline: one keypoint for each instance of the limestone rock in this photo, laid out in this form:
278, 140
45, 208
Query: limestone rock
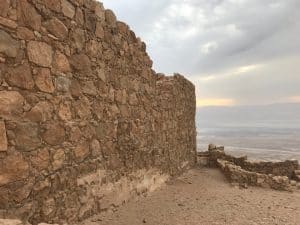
83, 108
8, 45
75, 88
41, 112
81, 151
78, 38
110, 17
3, 138
28, 16
89, 88
9, 221
48, 206
133, 100
40, 53
20, 76
57, 28
79, 17
68, 9
81, 63
95, 148
99, 11
27, 136
53, 5
8, 23
99, 31
58, 159
61, 63
4, 7
54, 134
13, 168
90, 20
64, 111
43, 80
40, 160
62, 84
10, 102
25, 33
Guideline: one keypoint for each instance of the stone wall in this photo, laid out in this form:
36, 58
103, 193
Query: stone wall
238, 170
85, 123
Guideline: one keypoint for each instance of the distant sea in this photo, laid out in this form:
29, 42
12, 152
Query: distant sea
260, 136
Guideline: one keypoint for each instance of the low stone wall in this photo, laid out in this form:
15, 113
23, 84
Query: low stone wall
275, 175
85, 122
236, 174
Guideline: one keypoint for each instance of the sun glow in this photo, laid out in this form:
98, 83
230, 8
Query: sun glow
215, 102
293, 99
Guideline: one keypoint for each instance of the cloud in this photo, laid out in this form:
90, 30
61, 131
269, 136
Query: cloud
218, 42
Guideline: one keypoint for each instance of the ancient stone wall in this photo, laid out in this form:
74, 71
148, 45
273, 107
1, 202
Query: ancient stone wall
85, 123
238, 170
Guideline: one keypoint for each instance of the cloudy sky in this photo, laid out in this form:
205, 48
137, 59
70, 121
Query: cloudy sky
236, 52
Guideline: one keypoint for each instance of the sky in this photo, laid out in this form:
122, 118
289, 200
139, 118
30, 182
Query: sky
236, 52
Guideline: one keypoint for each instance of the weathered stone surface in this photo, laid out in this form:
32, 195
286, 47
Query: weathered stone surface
58, 159
53, 5
8, 23
43, 80
61, 63
133, 100
81, 63
81, 151
27, 136
89, 88
65, 112
3, 138
95, 103
41, 159
13, 168
54, 134
40, 53
95, 148
8, 45
68, 9
4, 7
20, 76
99, 31
28, 16
57, 28
25, 33
90, 20
78, 38
48, 207
62, 84
79, 17
41, 112
75, 88
83, 108
99, 11
110, 17
8, 221
10, 102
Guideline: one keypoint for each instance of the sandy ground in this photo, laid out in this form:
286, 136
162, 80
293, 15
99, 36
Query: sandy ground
203, 196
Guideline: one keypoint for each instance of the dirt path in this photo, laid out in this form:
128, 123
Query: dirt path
204, 197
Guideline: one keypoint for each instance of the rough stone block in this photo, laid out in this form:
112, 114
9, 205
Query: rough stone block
3, 137
8, 45
40, 53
